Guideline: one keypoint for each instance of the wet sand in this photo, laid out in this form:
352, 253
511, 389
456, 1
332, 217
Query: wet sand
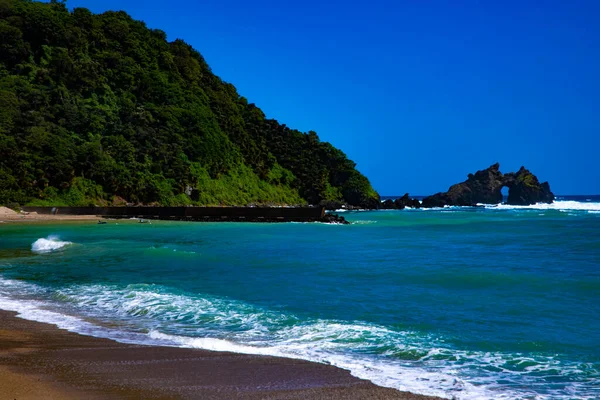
41, 361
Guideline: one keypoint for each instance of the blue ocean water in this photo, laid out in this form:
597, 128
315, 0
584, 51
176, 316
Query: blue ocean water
470, 303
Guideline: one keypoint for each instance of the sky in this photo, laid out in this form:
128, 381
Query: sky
417, 93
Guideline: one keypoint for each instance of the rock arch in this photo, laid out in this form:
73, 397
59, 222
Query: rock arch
485, 186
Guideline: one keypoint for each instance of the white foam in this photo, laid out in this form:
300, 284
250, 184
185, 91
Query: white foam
211, 344
49, 244
560, 205
310, 347
227, 325
219, 324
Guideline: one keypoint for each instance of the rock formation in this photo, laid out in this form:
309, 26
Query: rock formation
406, 201
482, 187
388, 204
334, 219
485, 186
525, 189
400, 203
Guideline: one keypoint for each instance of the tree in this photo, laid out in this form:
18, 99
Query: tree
98, 106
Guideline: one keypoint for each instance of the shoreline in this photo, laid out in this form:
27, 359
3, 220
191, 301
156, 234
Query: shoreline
10, 216
187, 214
41, 360
38, 359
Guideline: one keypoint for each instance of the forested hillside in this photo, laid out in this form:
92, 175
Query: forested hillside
99, 109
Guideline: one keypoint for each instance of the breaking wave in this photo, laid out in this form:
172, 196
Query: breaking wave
405, 360
49, 244
560, 205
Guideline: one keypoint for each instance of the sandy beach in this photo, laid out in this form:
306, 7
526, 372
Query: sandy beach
41, 361
7, 216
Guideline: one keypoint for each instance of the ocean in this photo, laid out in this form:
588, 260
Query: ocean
497, 302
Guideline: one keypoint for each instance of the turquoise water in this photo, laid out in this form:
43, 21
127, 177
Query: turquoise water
497, 302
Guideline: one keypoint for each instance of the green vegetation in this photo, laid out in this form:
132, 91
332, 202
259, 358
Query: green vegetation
95, 109
527, 178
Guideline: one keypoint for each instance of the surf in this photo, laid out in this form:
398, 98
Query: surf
405, 360
49, 244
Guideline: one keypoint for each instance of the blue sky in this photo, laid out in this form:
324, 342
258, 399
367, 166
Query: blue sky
417, 93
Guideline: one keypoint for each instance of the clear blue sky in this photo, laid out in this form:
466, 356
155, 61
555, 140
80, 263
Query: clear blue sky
417, 93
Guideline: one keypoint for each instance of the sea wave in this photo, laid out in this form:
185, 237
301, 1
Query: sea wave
405, 360
560, 205
49, 244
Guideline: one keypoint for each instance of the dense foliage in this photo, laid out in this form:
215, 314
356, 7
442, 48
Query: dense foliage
101, 109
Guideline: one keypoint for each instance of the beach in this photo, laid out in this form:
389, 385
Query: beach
9, 216
421, 301
41, 361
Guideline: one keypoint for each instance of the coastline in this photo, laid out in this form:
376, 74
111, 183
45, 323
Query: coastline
9, 216
187, 214
38, 358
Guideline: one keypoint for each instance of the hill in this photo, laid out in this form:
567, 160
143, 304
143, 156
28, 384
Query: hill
100, 109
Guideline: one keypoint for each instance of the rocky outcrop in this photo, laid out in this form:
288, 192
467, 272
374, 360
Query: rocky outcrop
332, 205
334, 219
482, 187
400, 203
525, 189
485, 186
388, 204
406, 201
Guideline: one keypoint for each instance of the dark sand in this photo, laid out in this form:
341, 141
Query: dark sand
40, 361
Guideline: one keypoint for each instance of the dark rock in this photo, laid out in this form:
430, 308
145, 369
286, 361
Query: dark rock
371, 203
525, 189
399, 205
406, 201
334, 219
332, 205
437, 200
485, 186
388, 204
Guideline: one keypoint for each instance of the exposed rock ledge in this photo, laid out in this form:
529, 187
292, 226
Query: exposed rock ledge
485, 186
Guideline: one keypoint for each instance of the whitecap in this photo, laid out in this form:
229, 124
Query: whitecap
221, 324
49, 244
560, 205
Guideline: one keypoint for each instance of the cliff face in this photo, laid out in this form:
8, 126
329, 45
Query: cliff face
485, 186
